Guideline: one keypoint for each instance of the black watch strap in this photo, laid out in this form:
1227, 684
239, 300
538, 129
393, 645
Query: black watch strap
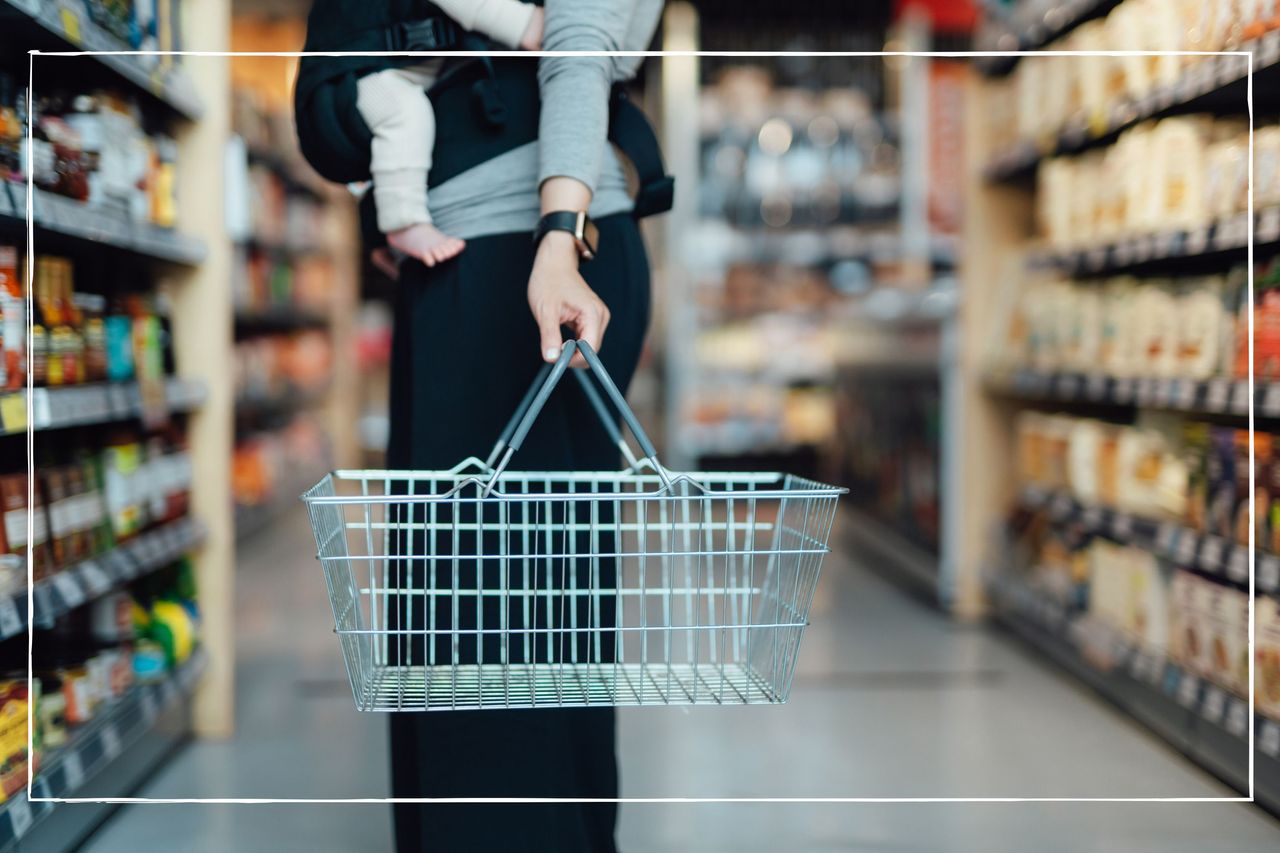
577, 223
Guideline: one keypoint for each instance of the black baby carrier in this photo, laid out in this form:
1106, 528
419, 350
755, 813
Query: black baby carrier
492, 103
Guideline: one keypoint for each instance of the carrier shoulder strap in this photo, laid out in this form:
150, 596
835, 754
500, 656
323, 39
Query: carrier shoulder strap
630, 130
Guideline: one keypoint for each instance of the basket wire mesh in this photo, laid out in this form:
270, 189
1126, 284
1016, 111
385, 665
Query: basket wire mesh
480, 587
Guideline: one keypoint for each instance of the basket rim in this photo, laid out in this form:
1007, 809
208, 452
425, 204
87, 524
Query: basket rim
479, 479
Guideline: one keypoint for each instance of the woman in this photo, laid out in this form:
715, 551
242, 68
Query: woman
469, 338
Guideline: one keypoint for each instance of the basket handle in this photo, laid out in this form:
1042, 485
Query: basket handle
536, 397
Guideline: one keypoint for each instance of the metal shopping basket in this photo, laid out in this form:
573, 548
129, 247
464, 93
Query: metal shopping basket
480, 587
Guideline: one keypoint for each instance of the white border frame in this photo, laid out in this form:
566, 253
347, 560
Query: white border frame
643, 54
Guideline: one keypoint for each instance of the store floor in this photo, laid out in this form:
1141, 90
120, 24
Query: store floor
891, 700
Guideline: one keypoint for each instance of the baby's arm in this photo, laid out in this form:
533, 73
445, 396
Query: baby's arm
504, 21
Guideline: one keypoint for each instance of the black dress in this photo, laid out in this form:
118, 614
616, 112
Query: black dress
465, 350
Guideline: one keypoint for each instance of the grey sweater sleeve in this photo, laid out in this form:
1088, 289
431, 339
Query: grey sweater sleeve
574, 123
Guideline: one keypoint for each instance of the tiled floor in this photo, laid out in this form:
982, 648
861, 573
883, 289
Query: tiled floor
891, 700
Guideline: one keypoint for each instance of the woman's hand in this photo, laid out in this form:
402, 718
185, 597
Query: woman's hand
558, 296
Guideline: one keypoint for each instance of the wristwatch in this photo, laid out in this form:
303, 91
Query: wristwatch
577, 223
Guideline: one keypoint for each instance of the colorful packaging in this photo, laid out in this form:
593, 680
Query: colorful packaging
1266, 648
1240, 511
13, 504
13, 323
1224, 657
14, 704
1195, 444
1220, 481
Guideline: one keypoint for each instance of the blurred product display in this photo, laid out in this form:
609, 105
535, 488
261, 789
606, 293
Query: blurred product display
800, 230
99, 320
295, 353
1130, 303
1024, 307
93, 147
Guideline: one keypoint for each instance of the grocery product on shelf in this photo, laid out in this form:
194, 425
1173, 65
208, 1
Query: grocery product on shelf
13, 321
1161, 468
90, 498
1193, 327
275, 367
94, 147
270, 467
1189, 327
1266, 651
1196, 622
15, 705
79, 336
1047, 92
1178, 173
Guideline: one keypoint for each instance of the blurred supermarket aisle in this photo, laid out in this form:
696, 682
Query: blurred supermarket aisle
891, 699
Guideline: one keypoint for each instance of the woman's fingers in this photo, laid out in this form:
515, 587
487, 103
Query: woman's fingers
550, 339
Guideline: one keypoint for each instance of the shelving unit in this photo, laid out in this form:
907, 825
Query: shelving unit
108, 757
60, 25
294, 288
1219, 396
1027, 28
84, 405
1210, 81
1200, 718
62, 217
1210, 555
75, 585
1207, 723
114, 753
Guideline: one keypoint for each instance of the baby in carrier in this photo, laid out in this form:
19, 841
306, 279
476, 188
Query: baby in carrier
394, 104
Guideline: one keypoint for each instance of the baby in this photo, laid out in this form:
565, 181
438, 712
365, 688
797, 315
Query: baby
394, 104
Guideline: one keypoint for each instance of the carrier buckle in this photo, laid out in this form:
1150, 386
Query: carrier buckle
426, 34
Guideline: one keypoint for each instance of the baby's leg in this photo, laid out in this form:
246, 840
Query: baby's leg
395, 106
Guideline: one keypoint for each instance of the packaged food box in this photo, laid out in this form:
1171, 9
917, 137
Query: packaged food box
1261, 446
1224, 657
1266, 649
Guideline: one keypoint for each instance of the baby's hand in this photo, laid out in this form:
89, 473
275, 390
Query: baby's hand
532, 38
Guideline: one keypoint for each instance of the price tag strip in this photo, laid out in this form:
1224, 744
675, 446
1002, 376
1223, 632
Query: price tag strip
95, 580
1188, 691
1238, 564
1211, 554
1214, 704
1268, 572
12, 621
69, 589
1237, 722
1269, 738
20, 815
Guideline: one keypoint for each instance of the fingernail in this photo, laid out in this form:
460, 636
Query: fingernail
552, 354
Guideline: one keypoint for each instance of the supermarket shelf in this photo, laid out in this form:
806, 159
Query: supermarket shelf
1202, 720
1210, 78
97, 403
1032, 32
1167, 248
71, 587
65, 26
284, 250
1205, 553
90, 763
277, 318
1218, 396
250, 520
287, 171
69, 218
872, 535
255, 409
